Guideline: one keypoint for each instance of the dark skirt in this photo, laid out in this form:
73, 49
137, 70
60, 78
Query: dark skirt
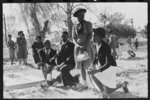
36, 58
22, 52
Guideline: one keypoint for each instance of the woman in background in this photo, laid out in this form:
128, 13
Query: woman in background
22, 50
37, 45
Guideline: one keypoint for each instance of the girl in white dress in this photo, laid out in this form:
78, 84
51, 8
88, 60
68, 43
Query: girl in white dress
104, 75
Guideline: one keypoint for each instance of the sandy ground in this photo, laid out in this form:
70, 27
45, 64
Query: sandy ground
133, 70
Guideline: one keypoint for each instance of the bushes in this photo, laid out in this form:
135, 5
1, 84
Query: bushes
121, 30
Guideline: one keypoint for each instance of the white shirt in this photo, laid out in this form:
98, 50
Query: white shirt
47, 52
97, 49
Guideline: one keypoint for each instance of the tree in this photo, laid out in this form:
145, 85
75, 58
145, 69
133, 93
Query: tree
4, 24
121, 30
41, 16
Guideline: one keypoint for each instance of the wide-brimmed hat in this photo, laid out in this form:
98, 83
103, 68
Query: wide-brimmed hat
78, 11
100, 32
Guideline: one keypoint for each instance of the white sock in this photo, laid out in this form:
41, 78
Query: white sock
49, 77
85, 82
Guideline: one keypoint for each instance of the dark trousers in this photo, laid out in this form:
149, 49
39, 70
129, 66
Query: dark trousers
67, 78
36, 58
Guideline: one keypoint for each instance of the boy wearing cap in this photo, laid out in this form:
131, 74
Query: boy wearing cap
104, 75
46, 54
11, 46
82, 34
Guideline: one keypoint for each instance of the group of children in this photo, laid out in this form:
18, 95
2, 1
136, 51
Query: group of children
20, 47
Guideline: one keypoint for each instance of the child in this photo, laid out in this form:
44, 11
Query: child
11, 46
104, 77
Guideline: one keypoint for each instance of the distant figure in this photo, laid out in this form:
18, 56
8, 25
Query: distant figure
37, 45
114, 45
129, 41
46, 54
136, 44
11, 46
22, 50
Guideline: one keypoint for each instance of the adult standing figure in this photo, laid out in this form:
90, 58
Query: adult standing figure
114, 45
104, 75
136, 44
37, 45
26, 48
22, 53
129, 41
11, 46
82, 34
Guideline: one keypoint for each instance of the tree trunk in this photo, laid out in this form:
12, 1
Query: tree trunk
5, 30
69, 21
35, 19
45, 28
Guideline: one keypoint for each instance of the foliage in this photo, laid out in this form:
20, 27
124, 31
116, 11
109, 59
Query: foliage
114, 23
121, 30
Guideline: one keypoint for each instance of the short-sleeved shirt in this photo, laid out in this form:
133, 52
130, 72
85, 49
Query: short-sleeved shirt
82, 32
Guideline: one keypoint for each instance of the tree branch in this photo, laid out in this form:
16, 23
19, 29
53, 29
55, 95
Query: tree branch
71, 7
62, 8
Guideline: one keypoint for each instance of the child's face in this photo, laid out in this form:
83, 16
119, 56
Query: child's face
96, 38
48, 47
9, 37
80, 16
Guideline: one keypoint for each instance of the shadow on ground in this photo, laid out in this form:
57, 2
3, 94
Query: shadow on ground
119, 94
129, 72
133, 58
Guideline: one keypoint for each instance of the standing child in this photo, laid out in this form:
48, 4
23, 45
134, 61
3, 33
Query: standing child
11, 46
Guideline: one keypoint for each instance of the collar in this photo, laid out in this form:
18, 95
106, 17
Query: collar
98, 46
81, 22
46, 50
65, 42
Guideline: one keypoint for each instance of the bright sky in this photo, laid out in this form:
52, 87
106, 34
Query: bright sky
137, 11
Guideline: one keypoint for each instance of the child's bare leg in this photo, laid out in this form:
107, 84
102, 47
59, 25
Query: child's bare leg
111, 90
98, 83
83, 72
